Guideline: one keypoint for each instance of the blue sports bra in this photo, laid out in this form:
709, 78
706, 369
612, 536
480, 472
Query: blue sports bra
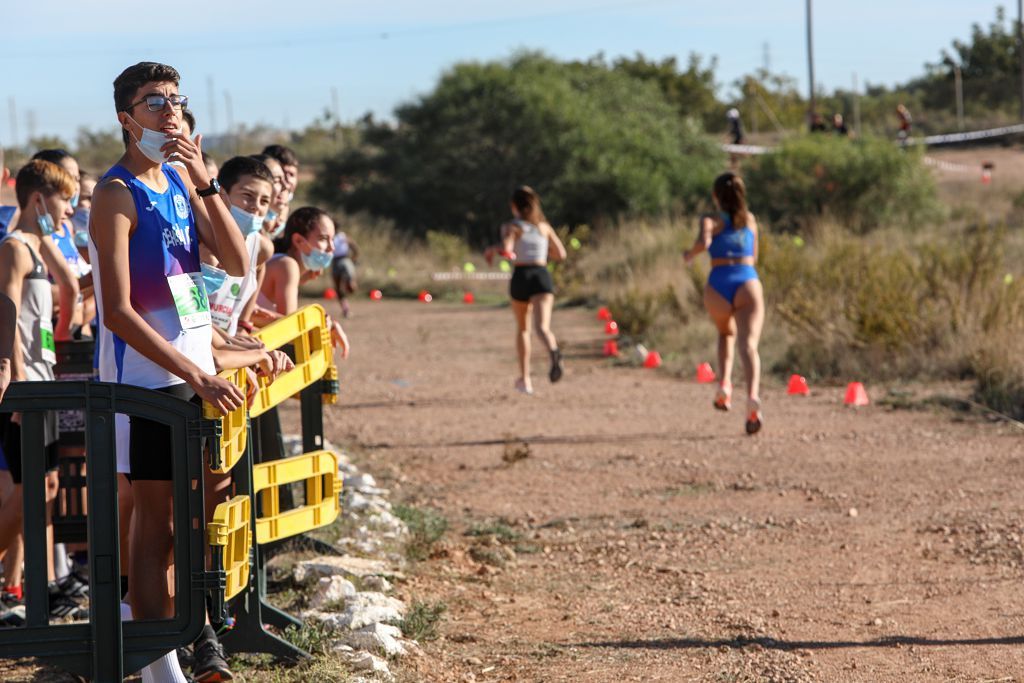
732, 242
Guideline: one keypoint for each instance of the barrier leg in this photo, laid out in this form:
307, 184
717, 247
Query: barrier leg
252, 612
104, 574
311, 400
33, 459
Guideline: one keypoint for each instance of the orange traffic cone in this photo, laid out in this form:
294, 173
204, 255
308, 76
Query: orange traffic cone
611, 327
611, 348
330, 294
376, 294
468, 298
705, 374
856, 395
798, 386
604, 314
653, 360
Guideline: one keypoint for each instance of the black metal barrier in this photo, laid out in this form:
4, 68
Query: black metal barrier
105, 648
74, 362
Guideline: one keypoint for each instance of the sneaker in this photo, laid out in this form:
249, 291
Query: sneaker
63, 607
755, 418
210, 665
12, 610
522, 388
723, 398
556, 366
72, 586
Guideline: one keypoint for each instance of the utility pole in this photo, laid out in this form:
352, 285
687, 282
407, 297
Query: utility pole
810, 62
1020, 51
856, 104
958, 84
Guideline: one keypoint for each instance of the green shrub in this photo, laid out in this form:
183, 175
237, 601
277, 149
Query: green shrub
426, 528
863, 184
420, 623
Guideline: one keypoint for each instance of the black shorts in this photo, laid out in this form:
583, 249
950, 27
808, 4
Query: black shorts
149, 442
529, 281
11, 436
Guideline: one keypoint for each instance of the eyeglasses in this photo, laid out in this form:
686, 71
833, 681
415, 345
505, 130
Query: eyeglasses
158, 102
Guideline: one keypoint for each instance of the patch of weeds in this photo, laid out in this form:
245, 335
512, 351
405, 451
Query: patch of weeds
515, 451
426, 527
492, 556
313, 636
527, 548
498, 528
421, 621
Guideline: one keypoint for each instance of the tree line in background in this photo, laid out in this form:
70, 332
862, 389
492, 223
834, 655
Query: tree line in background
599, 139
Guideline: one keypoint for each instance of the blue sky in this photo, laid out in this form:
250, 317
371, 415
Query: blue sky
280, 60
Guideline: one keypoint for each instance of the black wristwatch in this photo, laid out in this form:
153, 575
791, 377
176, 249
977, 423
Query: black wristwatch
213, 189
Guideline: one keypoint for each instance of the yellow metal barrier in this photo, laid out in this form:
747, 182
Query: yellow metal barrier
234, 430
307, 330
331, 398
231, 531
319, 470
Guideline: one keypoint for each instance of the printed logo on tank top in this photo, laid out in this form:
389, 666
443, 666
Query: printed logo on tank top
175, 236
180, 206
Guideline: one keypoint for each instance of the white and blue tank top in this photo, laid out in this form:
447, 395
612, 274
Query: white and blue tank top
166, 284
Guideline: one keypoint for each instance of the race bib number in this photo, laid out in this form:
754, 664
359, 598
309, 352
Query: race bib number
46, 343
190, 300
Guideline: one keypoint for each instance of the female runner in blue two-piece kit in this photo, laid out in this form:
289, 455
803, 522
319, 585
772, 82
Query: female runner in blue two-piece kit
733, 296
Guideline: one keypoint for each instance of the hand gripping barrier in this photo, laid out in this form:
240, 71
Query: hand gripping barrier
231, 531
306, 330
104, 648
226, 451
320, 471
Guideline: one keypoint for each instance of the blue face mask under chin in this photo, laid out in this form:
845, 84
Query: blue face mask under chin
317, 259
81, 239
248, 223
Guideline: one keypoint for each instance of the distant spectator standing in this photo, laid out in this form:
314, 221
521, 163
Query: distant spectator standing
735, 125
818, 123
839, 125
905, 121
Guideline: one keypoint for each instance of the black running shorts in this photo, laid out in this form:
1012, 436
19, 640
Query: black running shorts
149, 442
529, 281
11, 439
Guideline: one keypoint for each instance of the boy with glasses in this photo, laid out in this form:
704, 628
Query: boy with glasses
148, 219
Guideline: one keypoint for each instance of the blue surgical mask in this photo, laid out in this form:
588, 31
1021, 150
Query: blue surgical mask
213, 277
276, 232
81, 219
248, 223
81, 239
74, 200
45, 222
317, 259
270, 217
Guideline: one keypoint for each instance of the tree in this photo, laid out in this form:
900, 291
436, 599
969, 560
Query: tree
691, 92
594, 142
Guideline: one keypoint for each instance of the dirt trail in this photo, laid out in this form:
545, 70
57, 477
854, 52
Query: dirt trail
652, 540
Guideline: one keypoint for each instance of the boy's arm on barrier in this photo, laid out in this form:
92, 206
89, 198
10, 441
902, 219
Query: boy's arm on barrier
112, 209
338, 337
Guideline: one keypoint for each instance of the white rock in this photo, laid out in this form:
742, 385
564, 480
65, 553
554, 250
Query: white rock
386, 521
377, 583
342, 566
358, 482
377, 637
331, 589
362, 610
364, 661
356, 501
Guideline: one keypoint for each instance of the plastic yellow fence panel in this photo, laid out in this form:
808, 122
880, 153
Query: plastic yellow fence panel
306, 329
330, 398
319, 470
230, 530
234, 430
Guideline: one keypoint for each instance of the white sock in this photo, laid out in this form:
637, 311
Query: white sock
163, 670
61, 567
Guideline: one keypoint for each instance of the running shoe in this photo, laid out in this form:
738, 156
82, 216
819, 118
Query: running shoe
63, 607
210, 665
754, 417
723, 398
522, 388
72, 586
556, 366
12, 610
